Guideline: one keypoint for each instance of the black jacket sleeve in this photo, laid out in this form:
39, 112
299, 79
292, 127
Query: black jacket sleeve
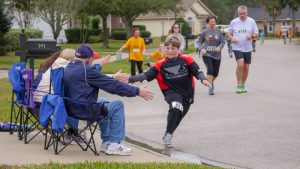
197, 72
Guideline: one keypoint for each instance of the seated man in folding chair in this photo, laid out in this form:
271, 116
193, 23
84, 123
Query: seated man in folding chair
83, 81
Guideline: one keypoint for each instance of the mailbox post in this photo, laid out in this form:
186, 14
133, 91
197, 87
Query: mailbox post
22, 54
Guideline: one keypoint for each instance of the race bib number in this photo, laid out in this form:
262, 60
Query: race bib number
136, 50
211, 48
177, 105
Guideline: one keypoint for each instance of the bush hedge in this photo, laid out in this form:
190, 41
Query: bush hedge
95, 23
145, 34
120, 34
73, 34
13, 36
141, 27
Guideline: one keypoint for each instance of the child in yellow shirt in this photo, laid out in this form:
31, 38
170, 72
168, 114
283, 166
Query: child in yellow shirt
158, 55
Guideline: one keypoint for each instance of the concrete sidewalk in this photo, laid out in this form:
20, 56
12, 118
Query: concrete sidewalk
15, 152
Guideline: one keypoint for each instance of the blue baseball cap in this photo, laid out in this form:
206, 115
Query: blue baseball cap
84, 51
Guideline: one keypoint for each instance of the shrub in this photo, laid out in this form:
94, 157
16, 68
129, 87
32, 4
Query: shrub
185, 28
145, 34
119, 34
95, 23
92, 32
72, 35
141, 27
13, 36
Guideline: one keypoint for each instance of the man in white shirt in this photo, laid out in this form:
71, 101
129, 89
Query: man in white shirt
240, 32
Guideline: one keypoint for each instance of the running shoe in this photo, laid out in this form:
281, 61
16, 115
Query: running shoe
104, 146
211, 91
118, 149
238, 89
244, 90
167, 140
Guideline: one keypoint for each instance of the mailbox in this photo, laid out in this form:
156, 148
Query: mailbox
41, 48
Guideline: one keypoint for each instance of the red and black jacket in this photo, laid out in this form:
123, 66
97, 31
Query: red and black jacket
176, 75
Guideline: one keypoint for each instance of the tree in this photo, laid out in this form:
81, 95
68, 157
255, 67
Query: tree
24, 12
102, 8
5, 24
293, 5
58, 12
129, 10
274, 8
84, 25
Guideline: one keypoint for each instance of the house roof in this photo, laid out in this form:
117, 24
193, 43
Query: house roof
185, 4
258, 14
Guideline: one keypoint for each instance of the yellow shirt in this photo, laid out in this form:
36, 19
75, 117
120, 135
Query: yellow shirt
157, 56
136, 47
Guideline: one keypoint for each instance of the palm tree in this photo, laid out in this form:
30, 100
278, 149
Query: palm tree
292, 5
274, 8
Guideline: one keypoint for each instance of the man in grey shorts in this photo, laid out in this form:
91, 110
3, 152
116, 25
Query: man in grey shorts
240, 32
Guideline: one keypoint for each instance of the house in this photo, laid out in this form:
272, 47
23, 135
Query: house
285, 19
194, 12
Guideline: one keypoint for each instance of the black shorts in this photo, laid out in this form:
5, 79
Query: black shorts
243, 55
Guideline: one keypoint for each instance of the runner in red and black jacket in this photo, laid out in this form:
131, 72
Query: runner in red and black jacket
174, 75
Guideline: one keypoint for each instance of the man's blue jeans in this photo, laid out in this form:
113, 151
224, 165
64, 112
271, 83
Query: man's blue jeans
113, 125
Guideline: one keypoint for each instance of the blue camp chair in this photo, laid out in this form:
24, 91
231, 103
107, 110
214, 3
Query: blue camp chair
58, 118
17, 82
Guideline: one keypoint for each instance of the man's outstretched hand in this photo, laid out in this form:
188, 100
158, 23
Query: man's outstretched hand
146, 93
123, 77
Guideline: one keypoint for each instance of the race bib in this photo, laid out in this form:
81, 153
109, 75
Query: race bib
177, 105
136, 50
211, 48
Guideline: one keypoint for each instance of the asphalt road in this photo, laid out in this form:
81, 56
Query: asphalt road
259, 129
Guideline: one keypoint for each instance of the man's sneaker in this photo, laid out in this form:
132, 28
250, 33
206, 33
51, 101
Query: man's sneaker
211, 91
167, 140
238, 89
103, 147
244, 90
118, 149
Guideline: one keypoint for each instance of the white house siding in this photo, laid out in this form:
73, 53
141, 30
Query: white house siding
157, 27
160, 26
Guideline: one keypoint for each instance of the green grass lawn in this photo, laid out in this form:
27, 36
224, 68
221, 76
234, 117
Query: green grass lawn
113, 165
5, 97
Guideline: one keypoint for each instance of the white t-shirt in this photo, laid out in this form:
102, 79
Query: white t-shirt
240, 29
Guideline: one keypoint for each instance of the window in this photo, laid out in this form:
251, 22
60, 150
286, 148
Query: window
270, 27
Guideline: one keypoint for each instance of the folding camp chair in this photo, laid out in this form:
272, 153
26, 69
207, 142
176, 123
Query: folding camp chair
57, 133
31, 124
17, 82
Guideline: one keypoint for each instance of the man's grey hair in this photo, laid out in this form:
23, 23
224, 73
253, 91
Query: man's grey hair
242, 8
